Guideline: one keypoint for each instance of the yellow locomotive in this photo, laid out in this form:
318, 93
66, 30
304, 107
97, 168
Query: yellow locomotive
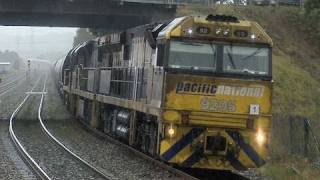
194, 92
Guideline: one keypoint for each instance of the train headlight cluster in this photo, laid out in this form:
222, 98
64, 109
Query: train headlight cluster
190, 31
218, 31
226, 32
261, 137
253, 36
171, 131
223, 31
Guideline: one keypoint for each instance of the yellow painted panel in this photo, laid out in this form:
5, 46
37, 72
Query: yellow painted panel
222, 95
199, 22
213, 161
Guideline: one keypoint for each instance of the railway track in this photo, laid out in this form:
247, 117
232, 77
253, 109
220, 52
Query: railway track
183, 173
8, 86
46, 156
176, 172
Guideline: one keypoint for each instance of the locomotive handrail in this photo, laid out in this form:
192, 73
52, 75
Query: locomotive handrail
88, 68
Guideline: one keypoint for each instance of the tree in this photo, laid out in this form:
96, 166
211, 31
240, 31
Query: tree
312, 16
82, 35
312, 5
12, 57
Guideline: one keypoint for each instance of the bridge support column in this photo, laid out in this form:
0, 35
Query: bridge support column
73, 104
76, 107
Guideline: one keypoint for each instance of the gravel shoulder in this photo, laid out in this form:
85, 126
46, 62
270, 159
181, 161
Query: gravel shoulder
11, 165
10, 100
54, 160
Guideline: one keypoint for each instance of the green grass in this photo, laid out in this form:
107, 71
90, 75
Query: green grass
282, 170
278, 171
296, 92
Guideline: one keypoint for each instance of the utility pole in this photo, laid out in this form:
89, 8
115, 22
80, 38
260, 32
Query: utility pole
17, 42
31, 41
28, 71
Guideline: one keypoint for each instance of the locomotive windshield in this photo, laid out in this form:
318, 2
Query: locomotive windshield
195, 56
219, 58
247, 60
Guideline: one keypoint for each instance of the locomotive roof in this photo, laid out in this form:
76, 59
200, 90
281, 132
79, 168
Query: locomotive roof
218, 27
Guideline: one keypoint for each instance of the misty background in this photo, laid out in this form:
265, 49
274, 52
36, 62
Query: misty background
48, 43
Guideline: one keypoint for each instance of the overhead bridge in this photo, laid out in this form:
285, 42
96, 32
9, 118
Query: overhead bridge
111, 14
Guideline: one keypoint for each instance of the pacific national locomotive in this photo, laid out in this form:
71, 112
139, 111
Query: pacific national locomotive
193, 92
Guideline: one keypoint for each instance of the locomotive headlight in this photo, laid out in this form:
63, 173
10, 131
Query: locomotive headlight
261, 137
218, 31
190, 31
253, 36
171, 131
226, 32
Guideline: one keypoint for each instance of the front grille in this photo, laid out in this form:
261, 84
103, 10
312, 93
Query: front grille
219, 119
216, 143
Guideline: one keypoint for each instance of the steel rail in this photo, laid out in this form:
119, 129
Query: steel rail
106, 176
240, 176
11, 80
10, 85
26, 156
161, 164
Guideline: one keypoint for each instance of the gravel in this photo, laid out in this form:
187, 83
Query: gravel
254, 174
11, 165
10, 100
52, 159
316, 163
55, 161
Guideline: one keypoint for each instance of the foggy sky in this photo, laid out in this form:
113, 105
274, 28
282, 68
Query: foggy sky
32, 42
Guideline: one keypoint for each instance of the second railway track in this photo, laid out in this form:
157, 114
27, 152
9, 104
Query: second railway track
44, 155
12, 83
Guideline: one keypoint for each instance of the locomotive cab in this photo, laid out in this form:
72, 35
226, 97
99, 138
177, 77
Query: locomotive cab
217, 95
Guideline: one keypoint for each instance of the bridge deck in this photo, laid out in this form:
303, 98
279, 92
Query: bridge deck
83, 13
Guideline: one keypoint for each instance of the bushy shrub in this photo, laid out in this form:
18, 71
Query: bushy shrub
311, 5
312, 17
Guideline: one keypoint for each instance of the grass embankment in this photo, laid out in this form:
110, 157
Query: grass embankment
293, 168
296, 72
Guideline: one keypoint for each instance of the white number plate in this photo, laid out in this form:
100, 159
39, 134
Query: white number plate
254, 109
